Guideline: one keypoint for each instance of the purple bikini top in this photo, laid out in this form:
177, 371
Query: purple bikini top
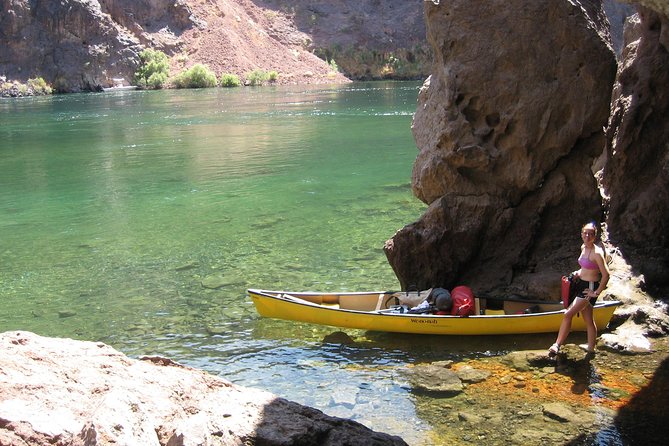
586, 263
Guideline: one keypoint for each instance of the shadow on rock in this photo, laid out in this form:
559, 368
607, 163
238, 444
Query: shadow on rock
645, 419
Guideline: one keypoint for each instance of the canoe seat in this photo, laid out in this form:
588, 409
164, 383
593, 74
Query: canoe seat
355, 302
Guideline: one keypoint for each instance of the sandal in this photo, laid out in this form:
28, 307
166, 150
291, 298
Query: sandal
553, 350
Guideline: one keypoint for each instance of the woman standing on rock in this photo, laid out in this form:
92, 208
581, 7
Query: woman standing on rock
587, 284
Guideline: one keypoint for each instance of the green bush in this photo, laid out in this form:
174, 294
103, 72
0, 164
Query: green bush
256, 77
272, 76
39, 86
333, 66
153, 71
197, 76
229, 80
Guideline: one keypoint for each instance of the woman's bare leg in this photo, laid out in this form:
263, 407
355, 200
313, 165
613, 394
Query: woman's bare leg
565, 327
590, 326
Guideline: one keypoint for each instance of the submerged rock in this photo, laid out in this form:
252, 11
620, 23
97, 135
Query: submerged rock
216, 281
67, 392
436, 379
338, 337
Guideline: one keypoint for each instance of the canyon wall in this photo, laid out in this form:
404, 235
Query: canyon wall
521, 141
508, 127
82, 45
636, 176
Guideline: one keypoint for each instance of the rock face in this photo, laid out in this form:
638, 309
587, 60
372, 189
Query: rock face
83, 45
72, 44
65, 392
368, 39
508, 127
617, 13
636, 175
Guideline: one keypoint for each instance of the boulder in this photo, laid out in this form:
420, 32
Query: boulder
508, 127
636, 173
470, 375
67, 392
435, 379
561, 412
526, 360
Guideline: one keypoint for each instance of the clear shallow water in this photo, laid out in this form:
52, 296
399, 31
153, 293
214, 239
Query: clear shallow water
115, 208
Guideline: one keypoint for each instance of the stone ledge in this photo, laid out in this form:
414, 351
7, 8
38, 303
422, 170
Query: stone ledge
63, 391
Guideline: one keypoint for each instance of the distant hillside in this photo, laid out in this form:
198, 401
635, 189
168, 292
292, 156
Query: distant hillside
81, 45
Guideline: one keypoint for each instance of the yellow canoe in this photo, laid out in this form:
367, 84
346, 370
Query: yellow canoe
377, 311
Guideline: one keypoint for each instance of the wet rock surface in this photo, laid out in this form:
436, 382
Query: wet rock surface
66, 392
576, 398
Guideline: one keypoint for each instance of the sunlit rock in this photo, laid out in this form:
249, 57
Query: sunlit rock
435, 378
559, 412
525, 360
628, 338
67, 392
636, 173
471, 375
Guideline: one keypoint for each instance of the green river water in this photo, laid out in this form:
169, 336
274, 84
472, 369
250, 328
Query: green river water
139, 219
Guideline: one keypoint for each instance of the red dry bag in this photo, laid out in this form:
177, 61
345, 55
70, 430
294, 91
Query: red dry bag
564, 291
463, 301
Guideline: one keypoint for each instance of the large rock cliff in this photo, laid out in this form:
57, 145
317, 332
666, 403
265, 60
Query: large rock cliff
508, 127
512, 157
637, 172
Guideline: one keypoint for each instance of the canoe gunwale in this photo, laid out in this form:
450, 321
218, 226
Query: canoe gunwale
296, 300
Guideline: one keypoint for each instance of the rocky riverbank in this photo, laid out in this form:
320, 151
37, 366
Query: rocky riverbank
15, 89
65, 392
525, 398
616, 396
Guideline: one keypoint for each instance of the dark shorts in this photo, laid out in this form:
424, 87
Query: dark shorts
577, 288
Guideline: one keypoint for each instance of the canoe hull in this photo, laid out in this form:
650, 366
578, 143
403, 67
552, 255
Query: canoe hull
271, 304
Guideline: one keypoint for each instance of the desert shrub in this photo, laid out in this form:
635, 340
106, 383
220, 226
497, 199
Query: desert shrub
156, 80
229, 80
197, 76
333, 66
39, 86
154, 70
272, 76
256, 77
181, 58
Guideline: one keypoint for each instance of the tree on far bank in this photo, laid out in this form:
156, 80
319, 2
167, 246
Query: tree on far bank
154, 71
